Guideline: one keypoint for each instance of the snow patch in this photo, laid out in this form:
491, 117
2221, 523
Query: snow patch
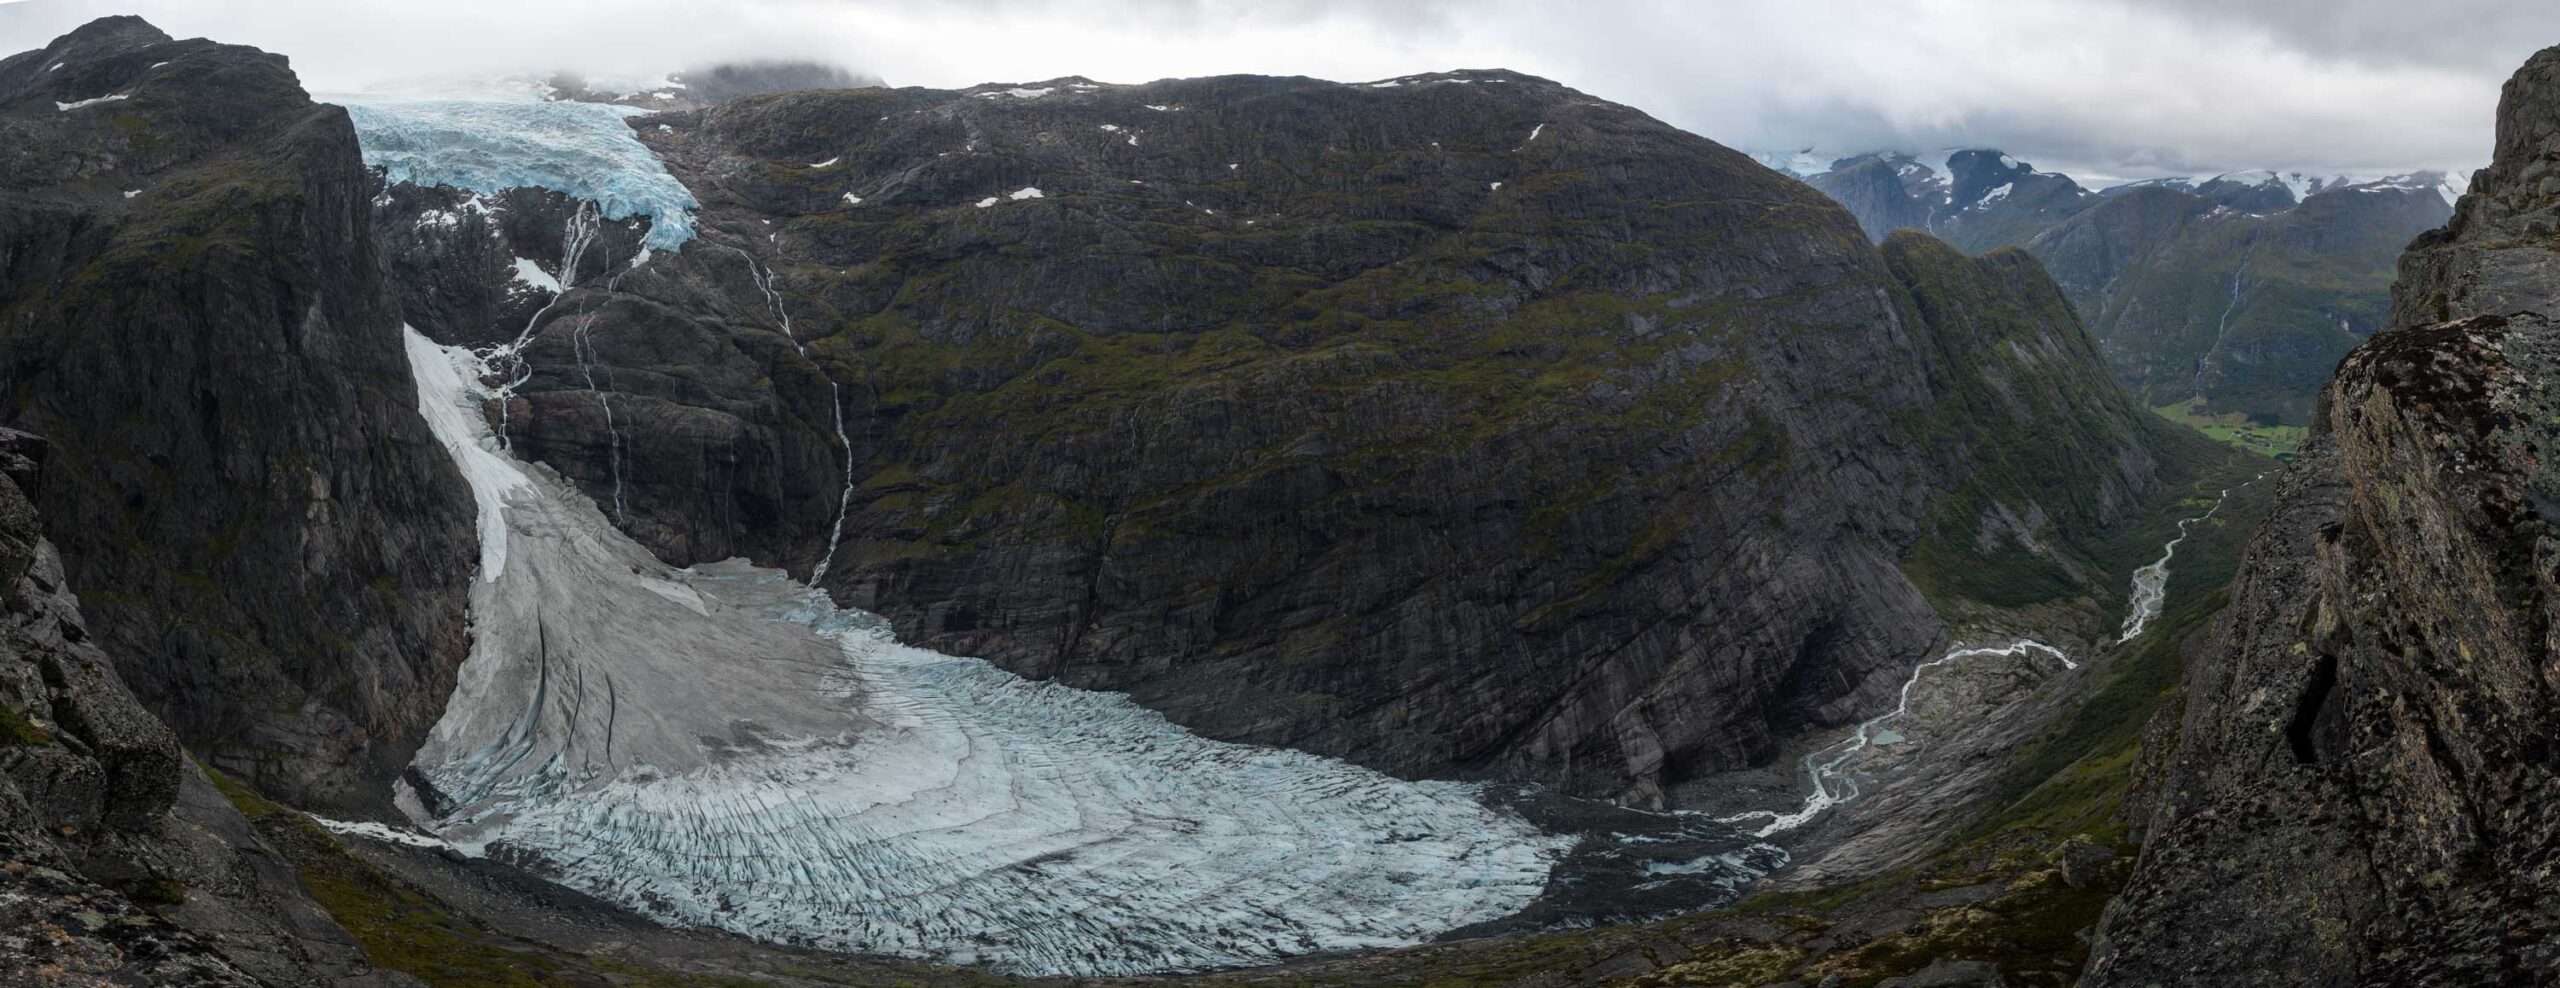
76, 104
1019, 93
852, 200
376, 831
531, 275
827, 163
130, 193
1025, 192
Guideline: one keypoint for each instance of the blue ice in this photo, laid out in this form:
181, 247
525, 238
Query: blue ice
581, 149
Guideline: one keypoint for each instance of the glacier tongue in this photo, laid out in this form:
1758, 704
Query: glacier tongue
723, 746
583, 149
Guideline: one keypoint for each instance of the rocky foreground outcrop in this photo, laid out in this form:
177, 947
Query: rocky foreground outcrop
119, 861
1455, 424
193, 308
2364, 791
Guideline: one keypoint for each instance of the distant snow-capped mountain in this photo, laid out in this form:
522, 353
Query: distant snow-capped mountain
2240, 288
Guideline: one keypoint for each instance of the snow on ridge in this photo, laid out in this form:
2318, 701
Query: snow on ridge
76, 104
723, 746
1019, 93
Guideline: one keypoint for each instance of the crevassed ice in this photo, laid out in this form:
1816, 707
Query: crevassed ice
723, 746
582, 149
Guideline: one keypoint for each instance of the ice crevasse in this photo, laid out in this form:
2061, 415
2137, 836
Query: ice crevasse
586, 150
723, 746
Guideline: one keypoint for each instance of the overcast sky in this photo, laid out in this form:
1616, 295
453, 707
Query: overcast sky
2104, 88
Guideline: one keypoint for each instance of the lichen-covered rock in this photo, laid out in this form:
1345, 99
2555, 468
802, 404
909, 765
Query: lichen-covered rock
2363, 788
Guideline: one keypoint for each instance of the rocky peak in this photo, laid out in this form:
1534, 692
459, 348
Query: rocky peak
1977, 172
2496, 257
2525, 173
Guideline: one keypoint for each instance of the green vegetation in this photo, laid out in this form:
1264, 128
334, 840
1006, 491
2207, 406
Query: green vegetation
16, 729
2023, 393
400, 927
2253, 433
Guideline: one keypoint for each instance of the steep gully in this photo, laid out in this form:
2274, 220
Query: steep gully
722, 745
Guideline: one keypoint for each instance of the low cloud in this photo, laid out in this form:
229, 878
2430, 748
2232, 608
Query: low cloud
2108, 87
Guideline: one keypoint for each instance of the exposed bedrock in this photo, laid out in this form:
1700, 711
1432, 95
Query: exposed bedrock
2363, 791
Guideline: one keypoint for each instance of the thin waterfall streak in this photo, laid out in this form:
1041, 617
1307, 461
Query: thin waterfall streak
574, 240
763, 278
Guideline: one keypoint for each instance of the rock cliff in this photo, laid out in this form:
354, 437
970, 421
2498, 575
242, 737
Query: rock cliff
193, 308
2361, 793
123, 865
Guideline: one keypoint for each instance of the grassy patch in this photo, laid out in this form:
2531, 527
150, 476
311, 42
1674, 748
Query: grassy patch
16, 729
2237, 429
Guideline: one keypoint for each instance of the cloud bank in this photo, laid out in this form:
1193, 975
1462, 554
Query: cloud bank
2111, 88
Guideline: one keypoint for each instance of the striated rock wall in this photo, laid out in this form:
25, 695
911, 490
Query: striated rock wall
2362, 789
193, 306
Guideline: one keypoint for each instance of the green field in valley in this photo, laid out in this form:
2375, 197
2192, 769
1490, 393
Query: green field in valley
2278, 441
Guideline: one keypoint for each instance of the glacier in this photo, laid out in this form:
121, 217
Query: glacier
586, 150
723, 746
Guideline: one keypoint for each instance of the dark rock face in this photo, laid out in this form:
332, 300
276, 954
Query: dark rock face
193, 307
2362, 791
1465, 425
124, 865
